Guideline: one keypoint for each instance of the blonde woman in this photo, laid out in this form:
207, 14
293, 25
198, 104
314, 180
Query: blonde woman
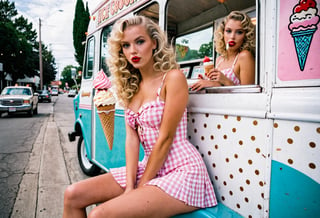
235, 42
172, 177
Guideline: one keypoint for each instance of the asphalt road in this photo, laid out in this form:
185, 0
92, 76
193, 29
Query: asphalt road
17, 135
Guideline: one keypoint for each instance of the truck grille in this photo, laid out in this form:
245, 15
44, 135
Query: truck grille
12, 102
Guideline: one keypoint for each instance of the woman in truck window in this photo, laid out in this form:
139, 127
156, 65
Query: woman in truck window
235, 42
172, 178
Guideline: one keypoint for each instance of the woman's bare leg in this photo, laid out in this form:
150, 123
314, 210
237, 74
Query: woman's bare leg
87, 192
147, 201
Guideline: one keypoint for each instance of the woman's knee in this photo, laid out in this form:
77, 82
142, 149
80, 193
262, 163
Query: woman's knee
70, 195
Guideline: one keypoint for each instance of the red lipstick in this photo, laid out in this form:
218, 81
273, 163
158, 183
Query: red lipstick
135, 59
231, 43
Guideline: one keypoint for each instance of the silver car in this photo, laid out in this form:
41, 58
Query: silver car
18, 99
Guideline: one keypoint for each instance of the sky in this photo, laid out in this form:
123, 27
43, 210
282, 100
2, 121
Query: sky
56, 25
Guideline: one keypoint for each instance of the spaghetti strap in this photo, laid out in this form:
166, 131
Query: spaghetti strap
235, 60
159, 90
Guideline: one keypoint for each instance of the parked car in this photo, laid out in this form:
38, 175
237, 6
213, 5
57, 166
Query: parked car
18, 99
72, 93
45, 95
54, 92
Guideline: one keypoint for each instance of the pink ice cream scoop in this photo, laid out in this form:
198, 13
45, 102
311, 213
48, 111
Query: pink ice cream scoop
101, 81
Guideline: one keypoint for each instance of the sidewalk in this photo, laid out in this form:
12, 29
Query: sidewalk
45, 179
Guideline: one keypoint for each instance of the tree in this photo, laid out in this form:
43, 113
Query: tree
80, 27
67, 76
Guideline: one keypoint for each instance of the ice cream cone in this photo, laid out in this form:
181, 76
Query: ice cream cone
302, 41
106, 115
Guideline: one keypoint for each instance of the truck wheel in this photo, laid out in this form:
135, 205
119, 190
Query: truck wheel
30, 112
36, 110
86, 165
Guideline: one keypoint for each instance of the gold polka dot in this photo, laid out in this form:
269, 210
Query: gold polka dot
250, 162
216, 177
211, 137
202, 138
225, 136
258, 150
312, 144
197, 147
218, 126
222, 198
318, 130
250, 216
207, 115
246, 199
290, 141
231, 176
290, 161
257, 172
235, 156
255, 122
205, 125
216, 146
262, 195
261, 183
230, 193
227, 160
192, 120
312, 165
224, 183
259, 206
213, 165
234, 130
195, 130
240, 142
253, 138
240, 170
238, 205
296, 128
238, 118
248, 182
189, 137
275, 125
209, 153
241, 188
225, 116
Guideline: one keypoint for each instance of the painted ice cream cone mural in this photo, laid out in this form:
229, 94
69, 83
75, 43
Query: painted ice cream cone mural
105, 103
303, 24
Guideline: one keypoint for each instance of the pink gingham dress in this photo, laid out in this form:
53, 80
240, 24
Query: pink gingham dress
184, 175
229, 72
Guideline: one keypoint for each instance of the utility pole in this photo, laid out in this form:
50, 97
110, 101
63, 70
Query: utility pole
40, 57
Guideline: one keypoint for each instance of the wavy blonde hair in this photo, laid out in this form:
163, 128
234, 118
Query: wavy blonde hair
249, 42
125, 77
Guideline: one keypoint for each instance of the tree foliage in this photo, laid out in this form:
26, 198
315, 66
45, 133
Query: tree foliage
19, 48
67, 76
80, 26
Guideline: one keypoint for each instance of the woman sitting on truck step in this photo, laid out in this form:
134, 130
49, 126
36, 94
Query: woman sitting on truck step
235, 42
172, 178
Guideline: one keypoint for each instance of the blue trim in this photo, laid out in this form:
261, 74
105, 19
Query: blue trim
292, 193
220, 210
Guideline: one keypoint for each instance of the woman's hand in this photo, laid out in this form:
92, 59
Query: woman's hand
217, 76
203, 83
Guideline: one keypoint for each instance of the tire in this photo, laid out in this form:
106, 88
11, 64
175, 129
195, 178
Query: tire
36, 110
86, 165
30, 112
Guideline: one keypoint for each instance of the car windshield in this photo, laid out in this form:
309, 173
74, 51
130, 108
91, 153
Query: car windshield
16, 91
45, 92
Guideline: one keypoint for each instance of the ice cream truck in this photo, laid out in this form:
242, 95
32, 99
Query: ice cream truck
260, 142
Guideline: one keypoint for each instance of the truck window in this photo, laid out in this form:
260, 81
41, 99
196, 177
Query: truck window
89, 62
104, 50
193, 28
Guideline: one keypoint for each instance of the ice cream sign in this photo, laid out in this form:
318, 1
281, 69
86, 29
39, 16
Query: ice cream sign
111, 8
299, 40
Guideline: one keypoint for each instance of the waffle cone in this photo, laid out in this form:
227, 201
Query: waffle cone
106, 115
